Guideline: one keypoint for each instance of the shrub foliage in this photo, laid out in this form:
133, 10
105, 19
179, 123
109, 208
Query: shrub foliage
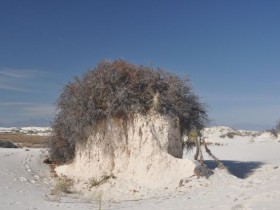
278, 126
119, 89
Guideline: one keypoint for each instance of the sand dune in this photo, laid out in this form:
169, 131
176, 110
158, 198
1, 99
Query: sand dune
254, 182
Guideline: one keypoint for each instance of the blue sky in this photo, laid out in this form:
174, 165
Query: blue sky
229, 49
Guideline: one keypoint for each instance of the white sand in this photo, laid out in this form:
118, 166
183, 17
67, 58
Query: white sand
25, 183
142, 164
39, 131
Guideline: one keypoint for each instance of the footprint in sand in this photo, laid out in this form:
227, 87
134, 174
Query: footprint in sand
36, 177
21, 191
22, 179
239, 207
28, 168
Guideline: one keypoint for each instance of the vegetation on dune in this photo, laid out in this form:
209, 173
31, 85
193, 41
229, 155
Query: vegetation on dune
7, 144
276, 131
25, 140
120, 89
63, 185
278, 126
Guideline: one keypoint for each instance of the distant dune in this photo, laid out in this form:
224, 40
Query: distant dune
40, 131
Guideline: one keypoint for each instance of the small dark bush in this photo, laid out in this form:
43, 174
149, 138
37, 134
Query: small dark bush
273, 131
7, 144
277, 128
120, 89
202, 171
230, 134
276, 131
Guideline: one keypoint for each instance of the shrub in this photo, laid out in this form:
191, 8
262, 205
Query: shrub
120, 89
202, 171
230, 134
278, 126
63, 185
93, 182
7, 144
275, 131
192, 136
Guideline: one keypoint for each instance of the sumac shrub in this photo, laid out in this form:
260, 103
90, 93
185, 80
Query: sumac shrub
119, 89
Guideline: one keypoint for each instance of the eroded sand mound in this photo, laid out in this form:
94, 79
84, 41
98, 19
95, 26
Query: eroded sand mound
130, 159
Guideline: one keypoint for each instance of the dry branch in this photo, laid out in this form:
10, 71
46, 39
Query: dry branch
119, 89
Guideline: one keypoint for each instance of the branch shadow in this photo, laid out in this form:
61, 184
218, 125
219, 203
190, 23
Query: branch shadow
239, 169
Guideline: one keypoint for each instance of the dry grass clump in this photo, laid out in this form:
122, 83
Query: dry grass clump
202, 171
120, 89
93, 182
24, 140
63, 185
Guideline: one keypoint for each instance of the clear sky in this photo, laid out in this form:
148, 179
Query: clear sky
229, 49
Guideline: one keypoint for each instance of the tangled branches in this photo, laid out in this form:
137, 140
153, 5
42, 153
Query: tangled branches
118, 89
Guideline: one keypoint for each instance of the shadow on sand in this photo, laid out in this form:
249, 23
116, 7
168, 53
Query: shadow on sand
239, 169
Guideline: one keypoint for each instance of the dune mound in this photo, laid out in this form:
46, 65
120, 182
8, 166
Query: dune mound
130, 157
120, 126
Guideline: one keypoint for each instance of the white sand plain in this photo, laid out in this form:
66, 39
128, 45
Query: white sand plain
254, 182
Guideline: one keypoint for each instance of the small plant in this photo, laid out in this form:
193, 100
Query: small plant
278, 126
202, 171
275, 131
63, 185
7, 144
218, 144
230, 135
31, 132
93, 182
